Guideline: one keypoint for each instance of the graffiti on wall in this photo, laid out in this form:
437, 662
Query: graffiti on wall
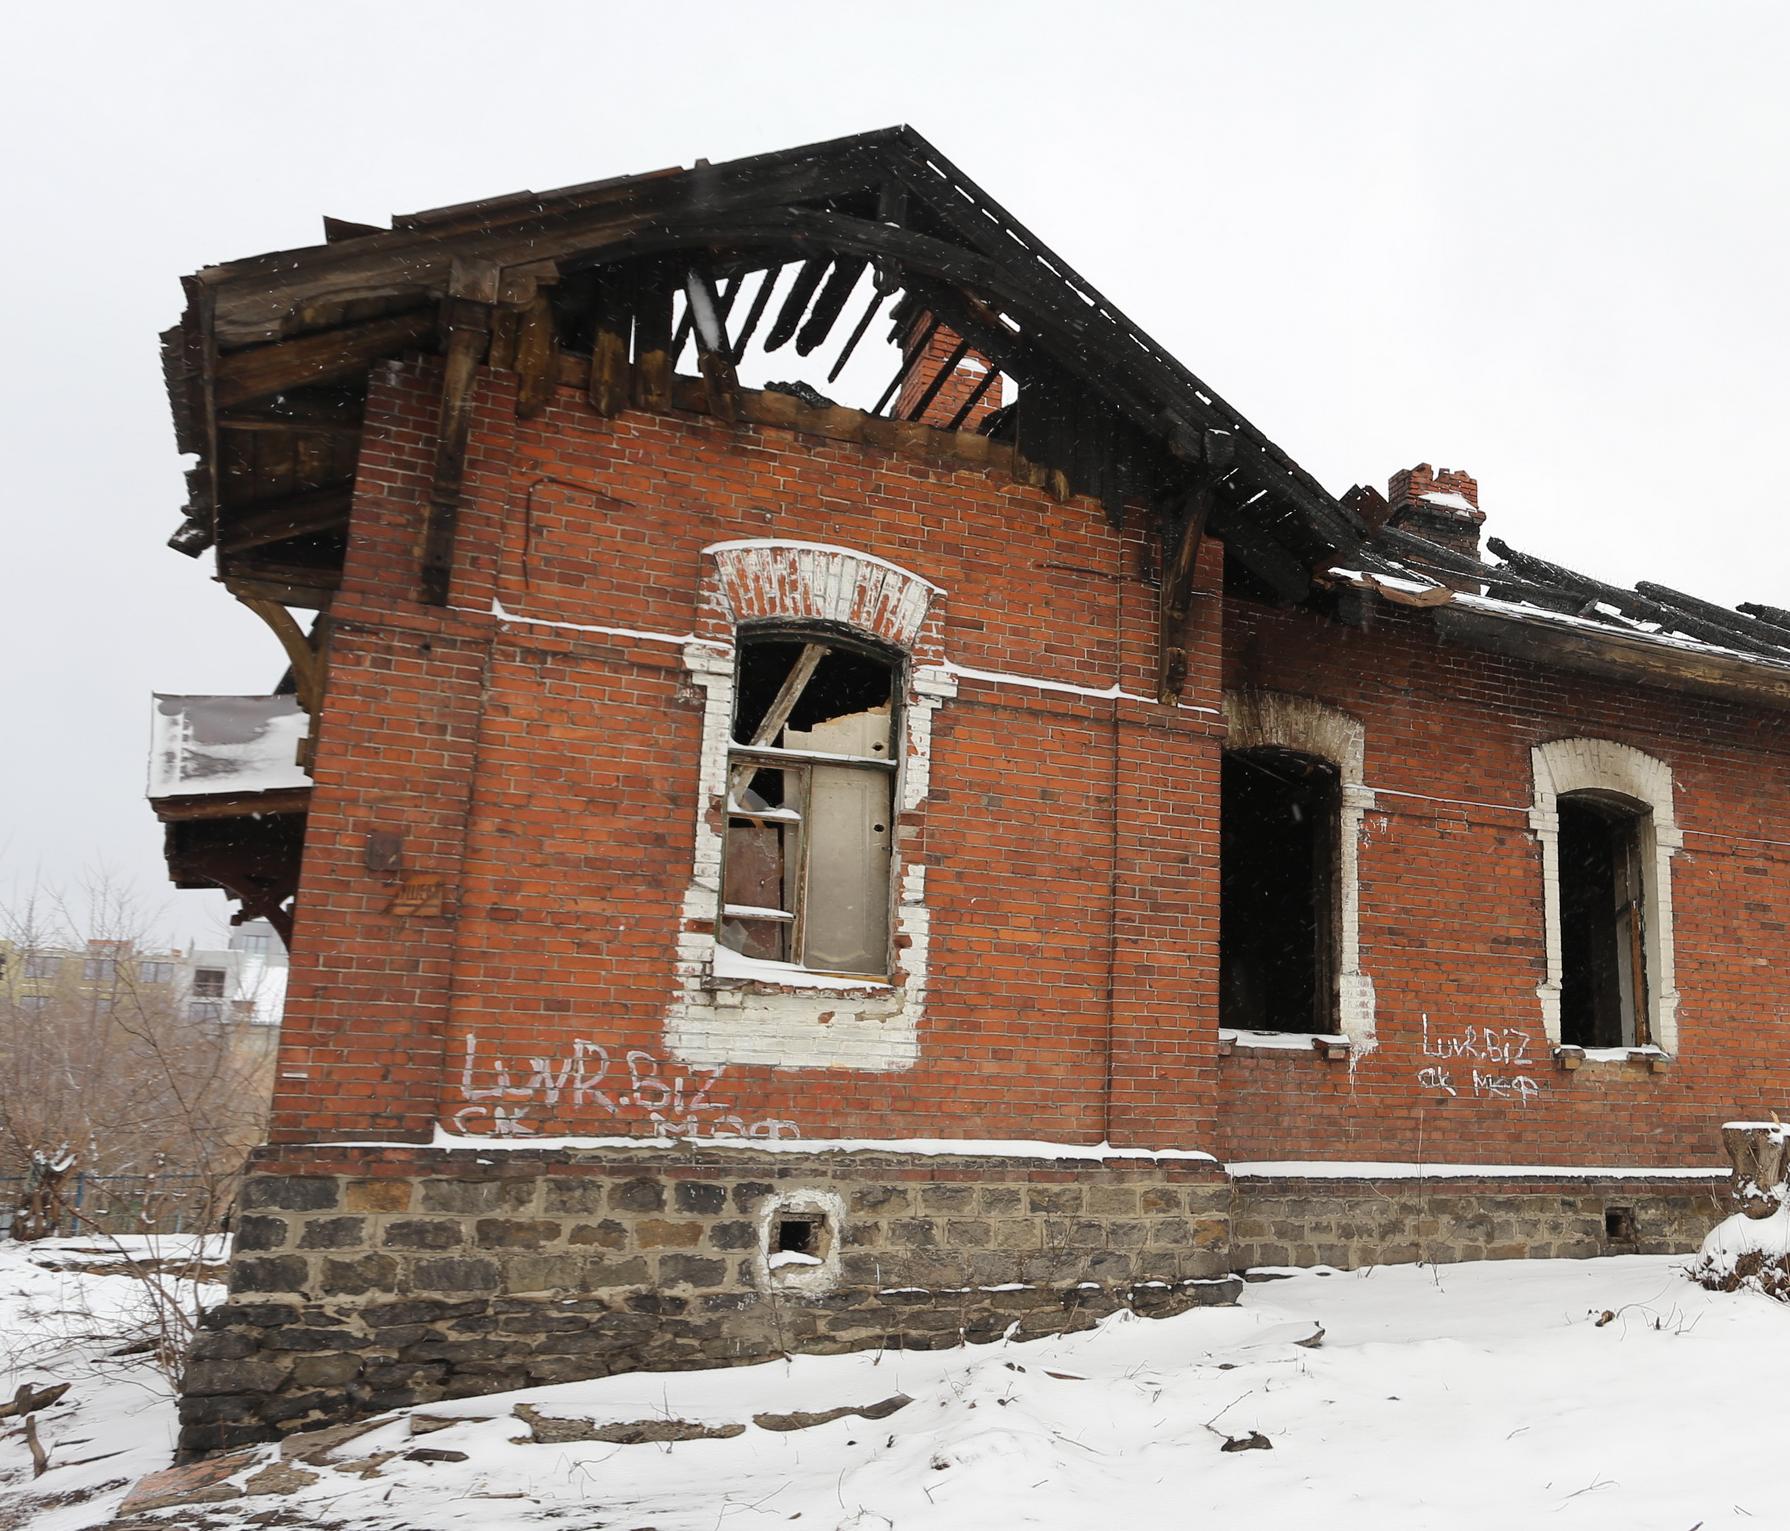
640, 1089
1484, 1061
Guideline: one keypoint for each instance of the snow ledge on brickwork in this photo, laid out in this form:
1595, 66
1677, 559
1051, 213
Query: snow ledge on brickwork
1292, 1041
980, 1148
1383, 1169
203, 745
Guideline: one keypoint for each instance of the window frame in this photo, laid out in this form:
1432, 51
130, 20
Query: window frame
800, 765
1582, 765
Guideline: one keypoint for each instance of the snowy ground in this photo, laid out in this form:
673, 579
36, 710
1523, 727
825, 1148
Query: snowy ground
1467, 1396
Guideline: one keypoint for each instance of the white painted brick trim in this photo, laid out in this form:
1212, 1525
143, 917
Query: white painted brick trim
1259, 717
1562, 766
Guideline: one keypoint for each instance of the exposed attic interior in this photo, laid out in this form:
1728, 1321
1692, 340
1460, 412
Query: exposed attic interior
664, 290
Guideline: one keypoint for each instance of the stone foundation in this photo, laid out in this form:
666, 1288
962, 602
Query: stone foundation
367, 1279
1350, 1222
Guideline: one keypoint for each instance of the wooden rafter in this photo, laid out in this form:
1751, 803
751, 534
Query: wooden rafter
468, 327
242, 377
297, 515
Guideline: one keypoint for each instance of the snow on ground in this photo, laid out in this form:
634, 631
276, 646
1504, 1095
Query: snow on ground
1459, 1397
66, 1305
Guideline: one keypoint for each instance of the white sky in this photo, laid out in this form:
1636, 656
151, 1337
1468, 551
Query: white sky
1544, 243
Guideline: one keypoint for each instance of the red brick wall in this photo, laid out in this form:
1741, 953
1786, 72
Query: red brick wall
548, 779
1452, 919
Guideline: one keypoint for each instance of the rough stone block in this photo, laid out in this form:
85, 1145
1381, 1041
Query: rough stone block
657, 1233
878, 1198
333, 1233
1054, 1198
638, 1195
270, 1273
692, 1270
739, 1234
424, 1233
514, 1233
697, 1196
259, 1232
608, 1234
574, 1194
1000, 1200
947, 1198
450, 1274
377, 1195
290, 1193
747, 1194
258, 1374
472, 1196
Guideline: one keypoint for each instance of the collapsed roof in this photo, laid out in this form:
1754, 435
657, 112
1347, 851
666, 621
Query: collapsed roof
608, 284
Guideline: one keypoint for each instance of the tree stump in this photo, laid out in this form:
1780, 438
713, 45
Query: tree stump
1760, 1154
1750, 1251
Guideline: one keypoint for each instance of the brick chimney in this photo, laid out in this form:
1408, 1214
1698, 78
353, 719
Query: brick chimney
964, 380
1440, 504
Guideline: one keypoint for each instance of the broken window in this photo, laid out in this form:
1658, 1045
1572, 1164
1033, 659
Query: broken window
1603, 922
810, 810
1278, 849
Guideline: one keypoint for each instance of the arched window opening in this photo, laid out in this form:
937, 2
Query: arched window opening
810, 804
1278, 904
1603, 921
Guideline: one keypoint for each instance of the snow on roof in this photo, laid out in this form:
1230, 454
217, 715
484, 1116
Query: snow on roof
213, 744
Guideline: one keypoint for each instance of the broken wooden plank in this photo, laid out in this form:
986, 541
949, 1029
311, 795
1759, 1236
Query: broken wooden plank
609, 380
827, 307
777, 714
795, 303
652, 339
262, 371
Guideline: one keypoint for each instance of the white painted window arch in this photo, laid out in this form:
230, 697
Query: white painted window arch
1258, 718
1602, 767
728, 1010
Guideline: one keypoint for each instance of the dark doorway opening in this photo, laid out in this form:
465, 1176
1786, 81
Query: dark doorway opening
1279, 812
1603, 923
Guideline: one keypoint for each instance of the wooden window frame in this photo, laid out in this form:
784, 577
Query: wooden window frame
797, 766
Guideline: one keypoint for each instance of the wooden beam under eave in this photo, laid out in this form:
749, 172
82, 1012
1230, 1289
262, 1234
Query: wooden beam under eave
329, 356
1180, 562
536, 357
469, 332
296, 515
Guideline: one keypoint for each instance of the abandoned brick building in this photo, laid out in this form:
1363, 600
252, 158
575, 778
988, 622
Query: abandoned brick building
762, 873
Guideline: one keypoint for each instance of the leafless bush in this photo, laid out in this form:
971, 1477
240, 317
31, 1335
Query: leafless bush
104, 1076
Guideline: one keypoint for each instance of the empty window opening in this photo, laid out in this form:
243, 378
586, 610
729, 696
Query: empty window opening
798, 1241
1279, 813
1619, 1225
810, 810
1603, 923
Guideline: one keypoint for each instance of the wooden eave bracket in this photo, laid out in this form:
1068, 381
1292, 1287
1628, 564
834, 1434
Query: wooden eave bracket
467, 323
1180, 561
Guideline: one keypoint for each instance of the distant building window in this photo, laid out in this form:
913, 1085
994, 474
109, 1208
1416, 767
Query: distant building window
42, 965
155, 972
99, 969
208, 983
31, 1004
102, 1004
205, 1010
257, 941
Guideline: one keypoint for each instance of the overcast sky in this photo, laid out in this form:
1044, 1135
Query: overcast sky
1546, 244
